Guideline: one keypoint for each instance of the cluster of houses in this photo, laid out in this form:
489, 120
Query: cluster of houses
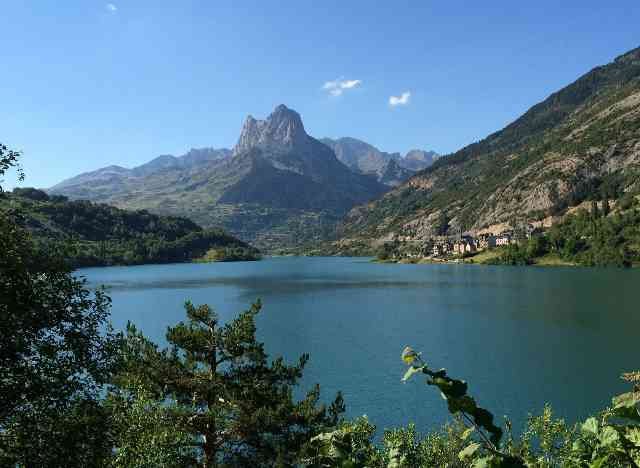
469, 244
407, 246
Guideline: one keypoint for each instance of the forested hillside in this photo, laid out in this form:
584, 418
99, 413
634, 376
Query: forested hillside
95, 234
581, 143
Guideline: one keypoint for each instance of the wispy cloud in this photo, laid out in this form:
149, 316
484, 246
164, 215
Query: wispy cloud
339, 86
111, 7
401, 100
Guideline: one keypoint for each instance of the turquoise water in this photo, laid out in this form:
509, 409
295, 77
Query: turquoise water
520, 336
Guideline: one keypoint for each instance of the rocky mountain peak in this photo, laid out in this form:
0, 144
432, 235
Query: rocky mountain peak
283, 129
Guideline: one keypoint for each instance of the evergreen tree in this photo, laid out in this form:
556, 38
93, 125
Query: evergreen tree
595, 213
442, 225
54, 356
606, 209
220, 388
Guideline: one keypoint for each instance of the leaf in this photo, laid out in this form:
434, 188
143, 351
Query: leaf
633, 436
599, 463
409, 355
590, 426
468, 451
410, 371
609, 436
627, 405
482, 462
467, 432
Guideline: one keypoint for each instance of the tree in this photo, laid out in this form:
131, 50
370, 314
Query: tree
606, 209
595, 213
54, 354
8, 160
221, 390
442, 225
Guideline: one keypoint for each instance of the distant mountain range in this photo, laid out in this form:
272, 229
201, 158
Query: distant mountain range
389, 168
580, 144
277, 187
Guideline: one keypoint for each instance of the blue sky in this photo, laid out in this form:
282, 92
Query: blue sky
85, 83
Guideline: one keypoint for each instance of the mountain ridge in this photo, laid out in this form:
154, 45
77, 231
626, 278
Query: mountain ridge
365, 158
580, 142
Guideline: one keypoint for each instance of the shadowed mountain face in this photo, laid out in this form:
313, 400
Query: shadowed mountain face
277, 187
388, 168
580, 144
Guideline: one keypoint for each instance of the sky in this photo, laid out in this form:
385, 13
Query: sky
85, 83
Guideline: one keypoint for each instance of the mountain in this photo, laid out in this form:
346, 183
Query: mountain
109, 181
94, 234
277, 187
389, 168
416, 160
581, 143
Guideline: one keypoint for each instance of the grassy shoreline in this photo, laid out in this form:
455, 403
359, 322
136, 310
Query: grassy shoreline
485, 258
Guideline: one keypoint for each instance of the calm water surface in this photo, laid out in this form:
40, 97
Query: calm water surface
520, 336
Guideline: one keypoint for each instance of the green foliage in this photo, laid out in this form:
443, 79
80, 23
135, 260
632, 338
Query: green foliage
96, 234
585, 238
145, 433
442, 225
9, 160
56, 352
219, 388
545, 442
454, 392
349, 445
601, 241
388, 250
229, 254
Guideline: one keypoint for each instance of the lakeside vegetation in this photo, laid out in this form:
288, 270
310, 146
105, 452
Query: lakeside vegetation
229, 254
595, 238
93, 234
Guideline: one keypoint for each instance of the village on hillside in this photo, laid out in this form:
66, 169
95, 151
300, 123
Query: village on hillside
453, 247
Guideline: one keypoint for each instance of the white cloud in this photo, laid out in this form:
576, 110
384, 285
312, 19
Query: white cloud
337, 87
401, 100
111, 7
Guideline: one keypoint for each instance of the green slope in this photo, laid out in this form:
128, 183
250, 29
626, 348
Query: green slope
96, 234
581, 143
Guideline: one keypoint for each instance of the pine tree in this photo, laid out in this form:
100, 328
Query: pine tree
606, 209
595, 213
222, 390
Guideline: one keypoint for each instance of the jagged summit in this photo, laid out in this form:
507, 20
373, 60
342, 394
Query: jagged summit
283, 129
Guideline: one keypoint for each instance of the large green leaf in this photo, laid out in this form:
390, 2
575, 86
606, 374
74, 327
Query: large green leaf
469, 450
627, 405
467, 433
599, 462
633, 436
590, 426
609, 436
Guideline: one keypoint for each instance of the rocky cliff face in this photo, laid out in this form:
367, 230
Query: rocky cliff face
281, 131
581, 143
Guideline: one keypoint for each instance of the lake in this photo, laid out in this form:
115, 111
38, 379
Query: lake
520, 336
